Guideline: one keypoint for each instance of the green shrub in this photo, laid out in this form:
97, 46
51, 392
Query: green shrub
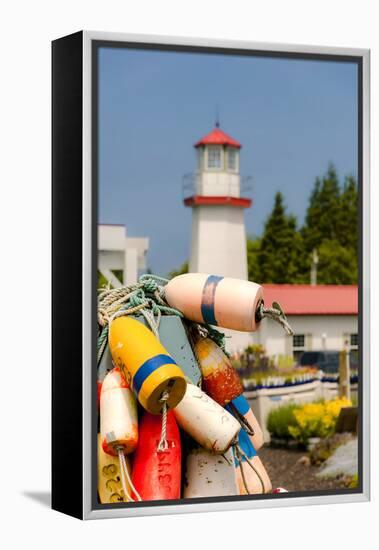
280, 419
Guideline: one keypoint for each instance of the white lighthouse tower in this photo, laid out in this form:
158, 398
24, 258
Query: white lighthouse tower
218, 244
213, 192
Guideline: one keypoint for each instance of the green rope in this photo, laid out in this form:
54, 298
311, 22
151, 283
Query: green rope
144, 297
217, 336
102, 342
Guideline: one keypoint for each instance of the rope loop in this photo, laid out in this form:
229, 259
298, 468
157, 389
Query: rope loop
163, 443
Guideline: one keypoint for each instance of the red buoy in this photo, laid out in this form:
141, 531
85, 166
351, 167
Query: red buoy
156, 475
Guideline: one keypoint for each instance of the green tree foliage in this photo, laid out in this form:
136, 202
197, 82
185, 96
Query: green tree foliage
280, 246
321, 220
253, 266
175, 272
283, 254
337, 264
331, 227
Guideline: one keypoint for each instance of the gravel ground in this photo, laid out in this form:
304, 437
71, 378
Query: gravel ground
286, 471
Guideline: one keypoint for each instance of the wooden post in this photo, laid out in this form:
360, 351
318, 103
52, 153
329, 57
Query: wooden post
344, 371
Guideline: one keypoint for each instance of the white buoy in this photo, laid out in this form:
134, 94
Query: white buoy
209, 424
223, 301
209, 475
118, 415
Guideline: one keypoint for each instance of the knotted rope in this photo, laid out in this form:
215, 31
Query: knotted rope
163, 443
144, 297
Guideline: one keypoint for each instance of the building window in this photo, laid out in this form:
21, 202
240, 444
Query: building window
354, 341
298, 340
214, 157
298, 345
232, 160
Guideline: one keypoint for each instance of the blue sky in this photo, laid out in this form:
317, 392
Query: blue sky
292, 117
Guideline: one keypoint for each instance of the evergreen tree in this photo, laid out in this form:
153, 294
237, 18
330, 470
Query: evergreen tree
337, 265
331, 227
347, 225
280, 246
253, 267
321, 220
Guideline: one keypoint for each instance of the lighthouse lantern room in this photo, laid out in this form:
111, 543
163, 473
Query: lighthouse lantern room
218, 244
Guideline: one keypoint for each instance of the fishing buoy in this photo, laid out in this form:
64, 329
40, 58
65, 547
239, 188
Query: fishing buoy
252, 477
222, 383
173, 336
156, 475
220, 301
240, 407
220, 379
109, 485
118, 424
209, 475
209, 424
104, 367
146, 364
118, 414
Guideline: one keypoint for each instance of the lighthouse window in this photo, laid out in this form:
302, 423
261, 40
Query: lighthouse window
200, 158
214, 157
232, 159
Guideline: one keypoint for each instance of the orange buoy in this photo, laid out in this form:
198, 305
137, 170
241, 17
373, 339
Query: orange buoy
118, 415
221, 301
209, 424
222, 383
220, 379
156, 475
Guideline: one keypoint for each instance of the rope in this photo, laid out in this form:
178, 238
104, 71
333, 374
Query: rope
123, 465
126, 476
276, 314
101, 343
163, 443
241, 454
246, 426
144, 297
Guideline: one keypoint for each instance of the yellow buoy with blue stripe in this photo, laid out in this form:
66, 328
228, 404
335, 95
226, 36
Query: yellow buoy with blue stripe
146, 364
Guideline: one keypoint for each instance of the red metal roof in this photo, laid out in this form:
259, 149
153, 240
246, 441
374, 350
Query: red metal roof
313, 300
218, 137
216, 200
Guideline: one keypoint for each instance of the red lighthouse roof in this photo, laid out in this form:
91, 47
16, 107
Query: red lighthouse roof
314, 300
218, 137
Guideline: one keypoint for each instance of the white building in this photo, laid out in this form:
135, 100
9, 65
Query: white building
323, 317
118, 252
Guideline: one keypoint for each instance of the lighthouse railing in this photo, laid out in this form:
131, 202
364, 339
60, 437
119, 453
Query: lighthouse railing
223, 184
